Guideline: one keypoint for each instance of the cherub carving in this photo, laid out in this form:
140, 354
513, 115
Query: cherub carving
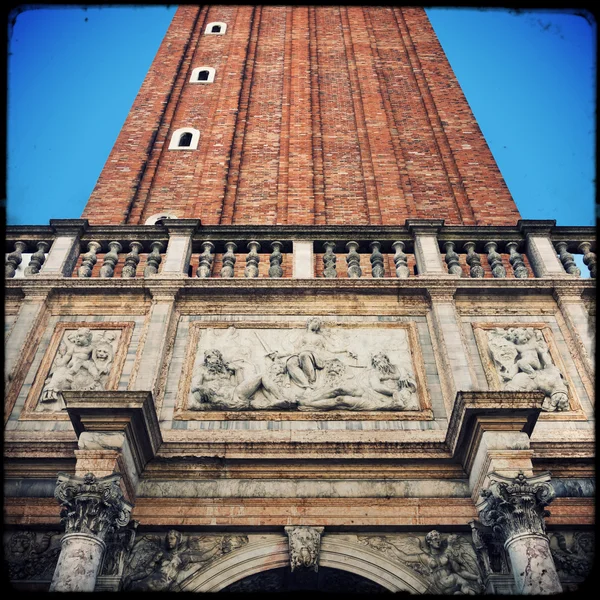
157, 564
523, 361
83, 362
450, 563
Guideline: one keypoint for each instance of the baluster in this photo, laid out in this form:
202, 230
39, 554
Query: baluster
276, 259
207, 258
516, 260
13, 260
154, 259
473, 260
38, 258
402, 271
589, 258
567, 259
353, 260
329, 260
111, 258
495, 260
228, 259
89, 259
377, 268
252, 259
132, 260
452, 260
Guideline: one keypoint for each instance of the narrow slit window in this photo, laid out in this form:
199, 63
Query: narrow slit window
216, 29
203, 76
185, 140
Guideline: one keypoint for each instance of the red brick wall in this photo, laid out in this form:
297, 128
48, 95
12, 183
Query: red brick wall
317, 115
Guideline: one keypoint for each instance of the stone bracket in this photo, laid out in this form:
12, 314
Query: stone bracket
475, 413
118, 417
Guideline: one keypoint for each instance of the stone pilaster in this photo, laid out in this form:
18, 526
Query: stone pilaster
540, 251
446, 327
427, 251
179, 248
303, 260
515, 509
65, 248
91, 509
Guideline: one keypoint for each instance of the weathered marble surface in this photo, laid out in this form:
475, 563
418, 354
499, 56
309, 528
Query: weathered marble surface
78, 563
305, 545
314, 369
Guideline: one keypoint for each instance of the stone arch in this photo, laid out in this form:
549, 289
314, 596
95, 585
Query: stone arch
272, 553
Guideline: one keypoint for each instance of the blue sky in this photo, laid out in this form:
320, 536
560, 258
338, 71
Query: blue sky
74, 73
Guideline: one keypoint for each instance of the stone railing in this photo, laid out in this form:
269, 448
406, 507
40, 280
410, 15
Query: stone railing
184, 248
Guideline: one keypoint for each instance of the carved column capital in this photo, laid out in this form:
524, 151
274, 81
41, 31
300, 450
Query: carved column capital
514, 507
305, 545
91, 505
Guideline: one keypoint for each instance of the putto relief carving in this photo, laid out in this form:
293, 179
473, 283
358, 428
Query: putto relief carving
81, 357
522, 360
31, 555
305, 546
160, 563
309, 369
573, 553
448, 563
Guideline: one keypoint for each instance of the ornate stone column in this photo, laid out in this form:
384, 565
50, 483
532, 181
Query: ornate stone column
515, 509
91, 509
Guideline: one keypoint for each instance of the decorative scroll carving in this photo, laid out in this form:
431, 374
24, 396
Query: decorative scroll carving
132, 260
159, 564
91, 505
515, 507
206, 260
329, 260
449, 563
575, 559
31, 555
523, 362
305, 545
377, 269
312, 370
452, 260
119, 544
495, 260
275, 259
89, 259
111, 259
402, 271
353, 260
38, 258
83, 362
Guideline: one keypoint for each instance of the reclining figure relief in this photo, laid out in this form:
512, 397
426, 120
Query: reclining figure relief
314, 373
523, 362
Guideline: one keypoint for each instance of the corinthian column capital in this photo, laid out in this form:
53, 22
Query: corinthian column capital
516, 506
91, 505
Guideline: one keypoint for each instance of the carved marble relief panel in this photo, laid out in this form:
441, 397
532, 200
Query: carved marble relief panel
30, 555
307, 367
524, 357
573, 553
80, 356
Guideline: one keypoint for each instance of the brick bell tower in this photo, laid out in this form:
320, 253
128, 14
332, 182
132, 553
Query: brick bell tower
301, 116
300, 338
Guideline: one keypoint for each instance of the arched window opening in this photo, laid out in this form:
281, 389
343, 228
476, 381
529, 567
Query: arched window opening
216, 29
185, 140
203, 75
